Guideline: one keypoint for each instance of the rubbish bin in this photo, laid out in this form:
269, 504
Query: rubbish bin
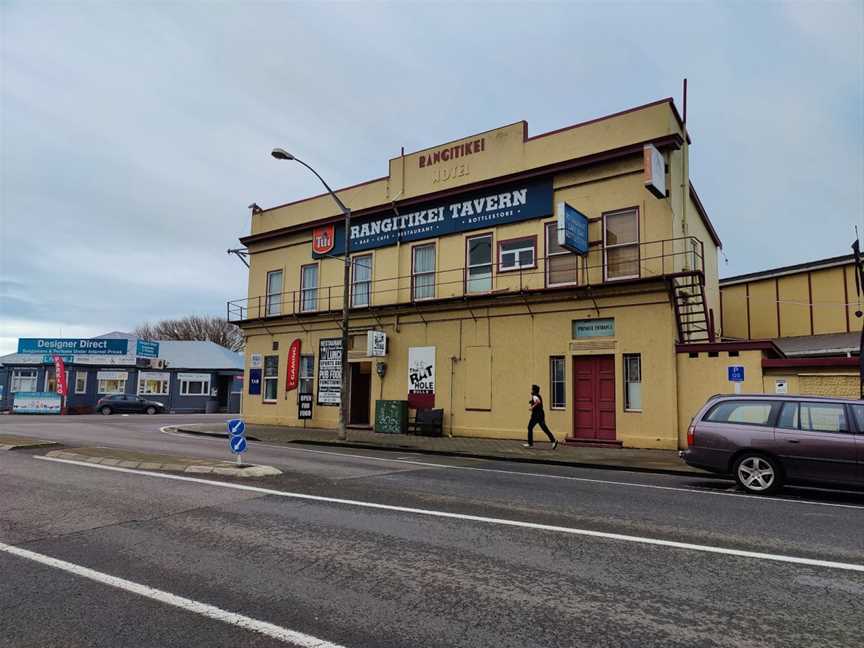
391, 416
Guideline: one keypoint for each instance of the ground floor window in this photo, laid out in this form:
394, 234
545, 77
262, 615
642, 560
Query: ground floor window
111, 382
153, 384
557, 387
80, 382
194, 384
307, 373
633, 382
271, 378
23, 380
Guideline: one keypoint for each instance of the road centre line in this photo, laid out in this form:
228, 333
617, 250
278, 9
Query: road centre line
740, 553
698, 491
247, 623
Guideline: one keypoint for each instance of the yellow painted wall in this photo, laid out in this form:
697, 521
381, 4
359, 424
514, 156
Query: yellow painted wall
828, 298
701, 377
828, 381
515, 347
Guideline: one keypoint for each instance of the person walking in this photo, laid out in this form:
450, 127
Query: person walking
538, 416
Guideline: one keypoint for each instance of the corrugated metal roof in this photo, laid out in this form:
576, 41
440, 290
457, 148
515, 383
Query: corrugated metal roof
829, 344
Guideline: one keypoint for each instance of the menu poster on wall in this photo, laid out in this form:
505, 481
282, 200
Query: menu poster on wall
329, 371
421, 377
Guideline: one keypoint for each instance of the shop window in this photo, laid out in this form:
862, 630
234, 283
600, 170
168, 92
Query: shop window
517, 254
423, 272
153, 384
621, 244
194, 384
479, 264
361, 284
562, 266
112, 386
80, 382
271, 378
24, 380
633, 382
51, 380
274, 293
558, 395
307, 373
309, 288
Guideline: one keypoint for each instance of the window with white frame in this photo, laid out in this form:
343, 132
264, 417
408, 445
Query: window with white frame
423, 271
111, 382
361, 284
621, 244
479, 264
153, 383
633, 382
517, 254
271, 378
557, 384
24, 380
51, 380
562, 266
307, 373
274, 293
80, 382
197, 384
309, 288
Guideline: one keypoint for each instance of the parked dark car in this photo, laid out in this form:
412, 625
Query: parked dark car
128, 404
765, 441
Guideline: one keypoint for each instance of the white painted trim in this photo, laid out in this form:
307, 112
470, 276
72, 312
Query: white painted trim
80, 373
604, 535
161, 596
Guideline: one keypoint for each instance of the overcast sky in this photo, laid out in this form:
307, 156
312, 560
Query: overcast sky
134, 135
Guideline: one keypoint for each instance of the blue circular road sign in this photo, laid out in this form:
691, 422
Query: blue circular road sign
236, 427
237, 444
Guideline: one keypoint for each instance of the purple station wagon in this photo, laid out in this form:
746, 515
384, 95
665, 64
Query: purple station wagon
765, 441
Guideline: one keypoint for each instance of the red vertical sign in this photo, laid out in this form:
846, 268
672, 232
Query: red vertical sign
60, 372
292, 378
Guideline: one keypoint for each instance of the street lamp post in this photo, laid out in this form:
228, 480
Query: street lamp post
282, 154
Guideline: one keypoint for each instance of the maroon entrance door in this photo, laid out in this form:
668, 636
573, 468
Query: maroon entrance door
594, 398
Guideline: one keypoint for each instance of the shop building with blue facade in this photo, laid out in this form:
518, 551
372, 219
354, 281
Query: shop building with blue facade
185, 376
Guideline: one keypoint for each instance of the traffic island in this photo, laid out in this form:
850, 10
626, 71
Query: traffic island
14, 442
148, 461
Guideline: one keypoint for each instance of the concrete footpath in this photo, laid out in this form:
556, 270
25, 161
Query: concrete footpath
658, 461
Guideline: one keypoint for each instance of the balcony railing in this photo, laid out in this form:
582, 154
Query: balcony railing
651, 259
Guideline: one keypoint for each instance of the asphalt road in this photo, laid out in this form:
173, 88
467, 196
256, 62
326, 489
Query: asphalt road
527, 555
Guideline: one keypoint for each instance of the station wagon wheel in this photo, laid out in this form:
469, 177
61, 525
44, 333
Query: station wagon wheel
757, 473
105, 411
151, 410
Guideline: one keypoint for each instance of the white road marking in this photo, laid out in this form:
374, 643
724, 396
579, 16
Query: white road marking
479, 518
697, 491
190, 605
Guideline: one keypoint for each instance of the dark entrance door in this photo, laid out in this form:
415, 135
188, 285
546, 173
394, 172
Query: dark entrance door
360, 393
594, 398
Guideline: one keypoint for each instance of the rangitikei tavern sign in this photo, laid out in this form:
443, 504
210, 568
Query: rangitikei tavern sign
470, 211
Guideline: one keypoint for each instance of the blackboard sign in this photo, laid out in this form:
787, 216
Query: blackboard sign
329, 371
391, 416
304, 406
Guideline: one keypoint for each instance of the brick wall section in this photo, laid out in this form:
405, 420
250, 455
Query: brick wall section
830, 385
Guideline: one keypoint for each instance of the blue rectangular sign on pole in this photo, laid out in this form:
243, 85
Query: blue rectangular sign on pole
736, 373
572, 229
146, 349
73, 346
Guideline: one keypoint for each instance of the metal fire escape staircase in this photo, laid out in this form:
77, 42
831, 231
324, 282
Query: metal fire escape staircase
687, 292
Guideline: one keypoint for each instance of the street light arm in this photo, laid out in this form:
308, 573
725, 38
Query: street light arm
332, 193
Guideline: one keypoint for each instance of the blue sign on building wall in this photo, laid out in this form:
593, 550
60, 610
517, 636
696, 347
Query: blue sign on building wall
254, 382
73, 346
572, 229
146, 349
474, 210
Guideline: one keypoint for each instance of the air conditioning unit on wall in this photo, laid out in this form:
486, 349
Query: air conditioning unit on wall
157, 363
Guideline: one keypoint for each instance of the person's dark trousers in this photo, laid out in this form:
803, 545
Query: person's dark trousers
541, 421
